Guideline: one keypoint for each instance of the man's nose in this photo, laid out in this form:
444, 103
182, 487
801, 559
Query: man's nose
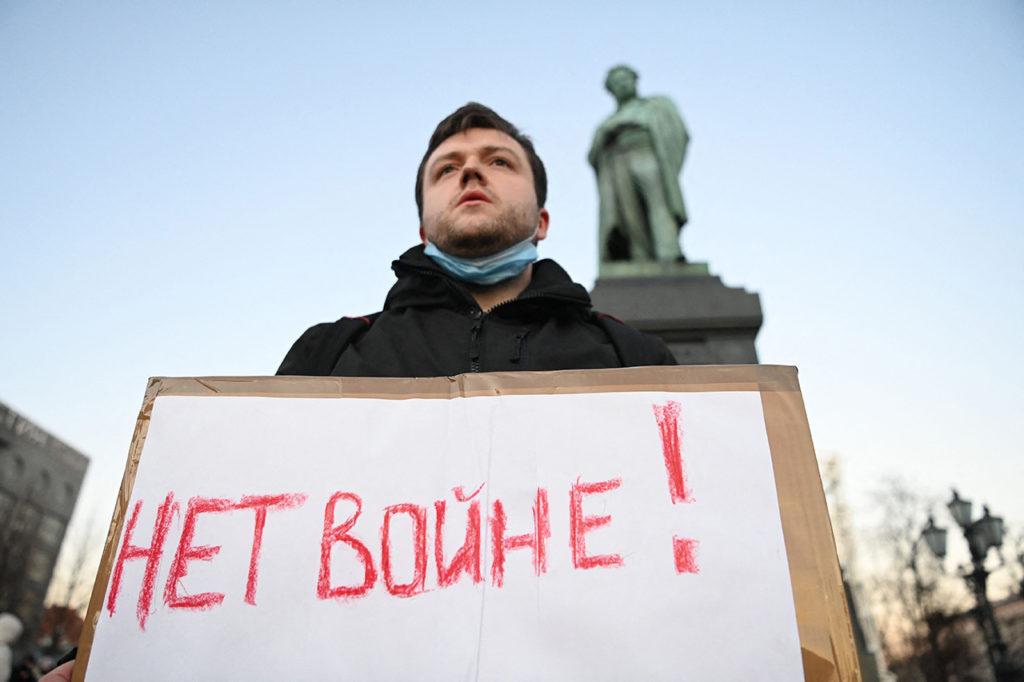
471, 170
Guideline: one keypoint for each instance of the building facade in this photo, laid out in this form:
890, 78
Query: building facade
40, 478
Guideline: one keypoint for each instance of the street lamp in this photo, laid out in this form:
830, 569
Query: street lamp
960, 510
981, 535
935, 538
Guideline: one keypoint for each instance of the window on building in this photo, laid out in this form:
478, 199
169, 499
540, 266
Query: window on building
26, 609
38, 567
25, 519
14, 467
6, 509
51, 531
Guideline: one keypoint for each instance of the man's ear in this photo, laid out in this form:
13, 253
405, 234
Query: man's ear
542, 224
423, 236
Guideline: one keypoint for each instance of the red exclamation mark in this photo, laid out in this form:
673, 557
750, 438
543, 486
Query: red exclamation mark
667, 416
684, 549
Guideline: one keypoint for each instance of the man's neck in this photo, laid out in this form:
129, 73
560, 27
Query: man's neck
624, 102
495, 294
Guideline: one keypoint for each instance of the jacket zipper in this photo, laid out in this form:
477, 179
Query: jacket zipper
478, 315
474, 340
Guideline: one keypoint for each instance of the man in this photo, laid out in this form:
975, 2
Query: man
637, 154
473, 297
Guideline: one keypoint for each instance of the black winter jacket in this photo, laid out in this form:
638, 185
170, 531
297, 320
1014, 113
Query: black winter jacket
432, 326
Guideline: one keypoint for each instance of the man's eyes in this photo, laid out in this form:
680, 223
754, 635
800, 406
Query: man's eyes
451, 167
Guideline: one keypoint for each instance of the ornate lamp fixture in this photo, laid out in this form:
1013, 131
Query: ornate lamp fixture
981, 535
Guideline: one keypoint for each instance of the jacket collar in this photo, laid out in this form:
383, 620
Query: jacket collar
421, 283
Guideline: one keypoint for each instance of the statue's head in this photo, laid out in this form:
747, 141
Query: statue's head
621, 82
474, 115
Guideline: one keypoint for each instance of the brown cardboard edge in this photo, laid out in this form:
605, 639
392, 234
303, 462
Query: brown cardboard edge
99, 587
823, 619
826, 637
688, 378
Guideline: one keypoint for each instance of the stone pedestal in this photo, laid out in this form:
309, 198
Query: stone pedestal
703, 321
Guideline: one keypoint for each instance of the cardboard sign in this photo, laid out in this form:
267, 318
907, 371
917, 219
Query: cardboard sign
617, 524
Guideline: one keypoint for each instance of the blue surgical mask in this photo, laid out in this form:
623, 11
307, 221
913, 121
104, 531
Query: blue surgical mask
486, 269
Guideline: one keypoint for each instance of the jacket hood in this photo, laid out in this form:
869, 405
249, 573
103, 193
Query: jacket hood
422, 283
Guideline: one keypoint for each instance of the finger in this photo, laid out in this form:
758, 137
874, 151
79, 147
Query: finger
61, 673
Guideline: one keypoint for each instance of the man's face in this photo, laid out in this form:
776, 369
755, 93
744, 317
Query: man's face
478, 195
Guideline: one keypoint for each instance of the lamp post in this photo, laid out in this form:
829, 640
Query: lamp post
935, 538
981, 535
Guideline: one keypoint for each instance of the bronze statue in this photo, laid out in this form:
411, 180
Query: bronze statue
637, 154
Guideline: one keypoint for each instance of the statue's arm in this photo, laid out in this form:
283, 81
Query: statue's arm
600, 139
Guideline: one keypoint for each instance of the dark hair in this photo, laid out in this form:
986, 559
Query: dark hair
474, 115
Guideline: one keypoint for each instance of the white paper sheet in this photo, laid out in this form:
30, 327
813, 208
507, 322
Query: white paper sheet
623, 609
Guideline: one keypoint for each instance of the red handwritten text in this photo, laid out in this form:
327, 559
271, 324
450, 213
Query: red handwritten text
684, 549
467, 558
580, 524
501, 544
419, 519
344, 546
335, 534
152, 555
667, 416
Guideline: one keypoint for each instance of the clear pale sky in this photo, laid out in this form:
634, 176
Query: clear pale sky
185, 187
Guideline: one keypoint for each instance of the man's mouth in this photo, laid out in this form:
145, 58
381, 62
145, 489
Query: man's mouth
473, 196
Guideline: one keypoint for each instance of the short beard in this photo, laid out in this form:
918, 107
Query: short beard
508, 229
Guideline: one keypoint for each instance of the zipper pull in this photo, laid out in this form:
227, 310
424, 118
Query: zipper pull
517, 353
